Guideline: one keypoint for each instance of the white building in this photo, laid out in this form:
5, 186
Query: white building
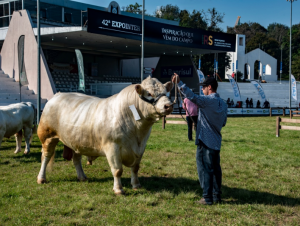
246, 61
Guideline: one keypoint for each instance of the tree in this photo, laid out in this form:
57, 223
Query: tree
277, 31
136, 8
249, 29
215, 18
168, 12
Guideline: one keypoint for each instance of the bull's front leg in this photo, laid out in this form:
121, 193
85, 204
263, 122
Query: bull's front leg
134, 176
27, 136
18, 137
78, 166
113, 154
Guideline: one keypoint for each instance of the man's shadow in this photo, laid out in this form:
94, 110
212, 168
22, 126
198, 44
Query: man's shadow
230, 195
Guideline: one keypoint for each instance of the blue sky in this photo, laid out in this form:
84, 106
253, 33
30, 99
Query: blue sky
263, 12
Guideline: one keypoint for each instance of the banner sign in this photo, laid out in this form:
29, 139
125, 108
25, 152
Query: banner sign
201, 79
236, 91
237, 64
281, 67
199, 64
247, 111
79, 57
110, 24
182, 71
294, 87
232, 66
260, 91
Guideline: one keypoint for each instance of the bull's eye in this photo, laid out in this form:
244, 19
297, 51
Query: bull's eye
149, 95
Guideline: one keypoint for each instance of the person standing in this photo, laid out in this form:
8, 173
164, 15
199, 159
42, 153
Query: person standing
233, 75
191, 116
212, 116
247, 103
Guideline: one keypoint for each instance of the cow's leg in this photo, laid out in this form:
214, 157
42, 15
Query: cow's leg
18, 137
114, 159
48, 149
134, 176
27, 135
78, 166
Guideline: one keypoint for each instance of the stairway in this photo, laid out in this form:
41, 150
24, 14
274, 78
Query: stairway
10, 92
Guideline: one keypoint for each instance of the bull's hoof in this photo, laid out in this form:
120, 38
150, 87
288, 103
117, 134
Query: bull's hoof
89, 163
136, 187
17, 151
82, 179
119, 192
26, 152
41, 181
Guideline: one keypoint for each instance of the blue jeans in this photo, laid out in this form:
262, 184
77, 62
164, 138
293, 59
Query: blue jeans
190, 125
209, 172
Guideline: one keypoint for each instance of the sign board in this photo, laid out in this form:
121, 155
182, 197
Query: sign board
182, 71
110, 24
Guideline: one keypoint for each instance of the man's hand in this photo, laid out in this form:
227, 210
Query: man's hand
175, 78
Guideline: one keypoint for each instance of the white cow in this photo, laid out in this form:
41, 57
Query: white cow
17, 117
103, 127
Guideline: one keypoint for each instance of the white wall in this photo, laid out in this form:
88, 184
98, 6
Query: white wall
250, 58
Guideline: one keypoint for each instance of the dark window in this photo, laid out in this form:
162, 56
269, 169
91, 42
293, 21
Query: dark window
1, 10
12, 7
6, 10
68, 17
241, 40
43, 13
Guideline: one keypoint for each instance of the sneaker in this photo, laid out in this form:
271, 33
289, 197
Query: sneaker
203, 202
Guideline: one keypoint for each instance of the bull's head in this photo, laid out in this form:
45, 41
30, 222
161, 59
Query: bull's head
154, 91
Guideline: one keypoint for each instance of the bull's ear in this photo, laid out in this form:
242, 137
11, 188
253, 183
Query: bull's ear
139, 89
169, 86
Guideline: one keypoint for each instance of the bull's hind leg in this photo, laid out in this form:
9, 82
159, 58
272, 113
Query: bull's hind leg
113, 155
48, 149
18, 137
27, 136
134, 176
78, 166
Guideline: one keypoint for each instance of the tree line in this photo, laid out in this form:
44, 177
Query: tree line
274, 39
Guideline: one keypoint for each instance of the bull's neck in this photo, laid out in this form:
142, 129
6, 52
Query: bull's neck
145, 111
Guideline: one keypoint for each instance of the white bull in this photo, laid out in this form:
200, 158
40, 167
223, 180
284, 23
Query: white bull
103, 127
17, 117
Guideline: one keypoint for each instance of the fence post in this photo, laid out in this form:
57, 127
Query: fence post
277, 126
270, 112
290, 113
164, 122
283, 112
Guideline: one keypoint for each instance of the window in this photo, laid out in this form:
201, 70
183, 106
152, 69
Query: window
43, 13
68, 17
241, 40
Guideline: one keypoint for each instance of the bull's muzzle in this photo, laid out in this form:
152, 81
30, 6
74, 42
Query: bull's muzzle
168, 108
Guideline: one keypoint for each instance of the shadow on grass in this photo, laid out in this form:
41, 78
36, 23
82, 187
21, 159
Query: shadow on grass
36, 157
234, 195
178, 185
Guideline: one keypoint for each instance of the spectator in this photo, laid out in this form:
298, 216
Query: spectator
229, 104
258, 104
266, 104
247, 103
251, 103
191, 108
232, 103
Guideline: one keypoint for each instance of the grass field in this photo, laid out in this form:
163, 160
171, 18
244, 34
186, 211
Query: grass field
261, 182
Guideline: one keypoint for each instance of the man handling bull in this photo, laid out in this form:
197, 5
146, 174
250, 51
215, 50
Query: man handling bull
212, 116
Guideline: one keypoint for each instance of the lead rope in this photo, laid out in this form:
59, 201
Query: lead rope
175, 100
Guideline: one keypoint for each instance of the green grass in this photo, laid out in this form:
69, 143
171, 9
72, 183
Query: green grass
261, 184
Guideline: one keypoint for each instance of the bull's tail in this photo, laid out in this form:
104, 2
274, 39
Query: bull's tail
34, 129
